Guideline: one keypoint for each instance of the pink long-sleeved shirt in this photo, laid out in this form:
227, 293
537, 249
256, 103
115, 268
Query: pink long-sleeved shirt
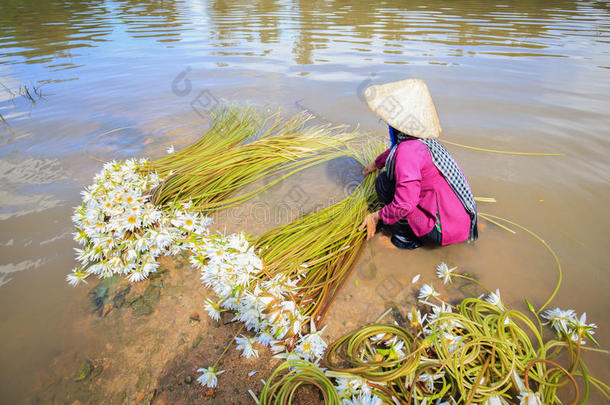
421, 191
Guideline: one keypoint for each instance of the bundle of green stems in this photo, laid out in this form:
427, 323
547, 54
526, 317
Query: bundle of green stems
237, 151
321, 248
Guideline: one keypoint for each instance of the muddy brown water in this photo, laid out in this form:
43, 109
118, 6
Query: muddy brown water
505, 75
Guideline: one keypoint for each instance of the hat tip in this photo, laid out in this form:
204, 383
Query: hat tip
406, 105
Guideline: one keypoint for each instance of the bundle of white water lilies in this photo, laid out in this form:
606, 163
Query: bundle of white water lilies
231, 268
120, 231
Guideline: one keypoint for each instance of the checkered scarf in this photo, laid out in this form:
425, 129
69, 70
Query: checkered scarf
448, 168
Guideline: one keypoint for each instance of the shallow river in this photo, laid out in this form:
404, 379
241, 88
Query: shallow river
115, 79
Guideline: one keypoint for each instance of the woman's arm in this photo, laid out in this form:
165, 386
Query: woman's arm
379, 163
380, 160
370, 223
408, 164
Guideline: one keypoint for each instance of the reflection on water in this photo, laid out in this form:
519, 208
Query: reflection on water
125, 78
56, 35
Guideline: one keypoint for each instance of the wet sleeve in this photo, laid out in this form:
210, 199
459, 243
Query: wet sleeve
380, 161
408, 185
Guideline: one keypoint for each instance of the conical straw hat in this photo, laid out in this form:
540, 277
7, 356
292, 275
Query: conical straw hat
406, 105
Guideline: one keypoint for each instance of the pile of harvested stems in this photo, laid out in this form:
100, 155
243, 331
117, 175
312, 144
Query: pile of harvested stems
221, 162
482, 352
320, 248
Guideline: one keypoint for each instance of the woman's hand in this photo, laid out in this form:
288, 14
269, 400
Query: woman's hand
370, 168
370, 223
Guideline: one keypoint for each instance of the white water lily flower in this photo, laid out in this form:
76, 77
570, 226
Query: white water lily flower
170, 150
363, 399
397, 351
136, 276
186, 221
277, 347
350, 386
415, 318
437, 310
82, 255
428, 380
76, 277
209, 377
227, 265
149, 266
88, 194
452, 341
312, 346
582, 323
560, 319
582, 328
213, 309
392, 341
573, 336
297, 322
246, 345
444, 272
495, 300
131, 255
427, 291
265, 339
239, 242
